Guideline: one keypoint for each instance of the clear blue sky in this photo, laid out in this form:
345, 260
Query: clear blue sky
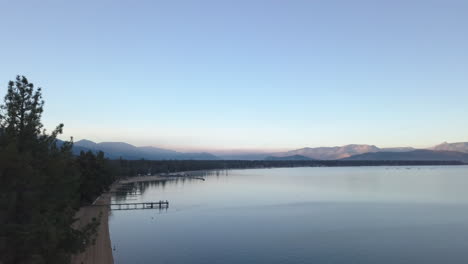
245, 74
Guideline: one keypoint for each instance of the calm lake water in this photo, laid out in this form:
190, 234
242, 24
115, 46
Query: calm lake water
300, 215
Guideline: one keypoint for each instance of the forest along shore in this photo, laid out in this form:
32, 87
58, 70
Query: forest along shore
163, 177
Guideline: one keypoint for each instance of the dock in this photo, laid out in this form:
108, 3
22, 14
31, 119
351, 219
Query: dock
138, 206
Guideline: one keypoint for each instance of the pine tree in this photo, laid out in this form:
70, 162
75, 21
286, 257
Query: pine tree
39, 184
96, 175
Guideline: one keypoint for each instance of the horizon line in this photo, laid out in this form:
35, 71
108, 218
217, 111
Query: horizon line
228, 150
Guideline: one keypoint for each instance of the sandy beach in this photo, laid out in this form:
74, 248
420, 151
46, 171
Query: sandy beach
101, 251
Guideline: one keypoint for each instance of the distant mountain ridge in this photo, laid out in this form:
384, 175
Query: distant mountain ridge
398, 149
445, 151
419, 155
346, 151
319, 153
330, 153
293, 157
115, 150
442, 152
457, 146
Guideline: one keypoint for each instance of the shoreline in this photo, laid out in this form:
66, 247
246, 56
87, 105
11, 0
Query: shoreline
101, 251
147, 178
164, 177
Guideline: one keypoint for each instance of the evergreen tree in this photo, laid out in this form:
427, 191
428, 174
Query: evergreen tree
96, 175
39, 184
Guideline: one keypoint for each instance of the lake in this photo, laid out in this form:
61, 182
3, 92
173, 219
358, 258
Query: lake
300, 215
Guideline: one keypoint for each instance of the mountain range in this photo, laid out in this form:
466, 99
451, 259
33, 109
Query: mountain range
444, 151
459, 146
419, 154
115, 150
331, 153
293, 157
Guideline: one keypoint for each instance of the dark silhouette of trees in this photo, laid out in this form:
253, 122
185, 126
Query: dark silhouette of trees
129, 168
40, 183
96, 175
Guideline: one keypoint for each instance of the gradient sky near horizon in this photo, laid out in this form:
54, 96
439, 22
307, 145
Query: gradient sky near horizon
244, 74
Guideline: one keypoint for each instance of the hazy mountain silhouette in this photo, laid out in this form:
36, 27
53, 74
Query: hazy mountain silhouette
420, 154
293, 157
115, 150
76, 149
444, 151
86, 144
397, 149
319, 153
246, 156
330, 153
458, 146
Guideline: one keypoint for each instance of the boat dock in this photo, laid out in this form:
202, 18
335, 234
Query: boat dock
138, 206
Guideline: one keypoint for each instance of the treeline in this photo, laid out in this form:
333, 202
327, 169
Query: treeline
130, 168
42, 184
97, 174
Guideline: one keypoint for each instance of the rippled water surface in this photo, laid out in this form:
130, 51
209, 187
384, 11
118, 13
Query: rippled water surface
299, 215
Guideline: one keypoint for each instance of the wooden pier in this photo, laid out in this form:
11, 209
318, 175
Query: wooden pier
119, 192
139, 206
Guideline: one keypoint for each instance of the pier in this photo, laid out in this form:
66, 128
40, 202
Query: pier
138, 206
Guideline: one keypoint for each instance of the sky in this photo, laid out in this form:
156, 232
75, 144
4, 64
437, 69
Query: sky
244, 74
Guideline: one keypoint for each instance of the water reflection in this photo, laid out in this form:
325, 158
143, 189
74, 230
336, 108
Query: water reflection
126, 192
132, 192
301, 215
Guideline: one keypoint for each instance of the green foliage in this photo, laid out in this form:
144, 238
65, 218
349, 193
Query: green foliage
23, 108
40, 183
96, 175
